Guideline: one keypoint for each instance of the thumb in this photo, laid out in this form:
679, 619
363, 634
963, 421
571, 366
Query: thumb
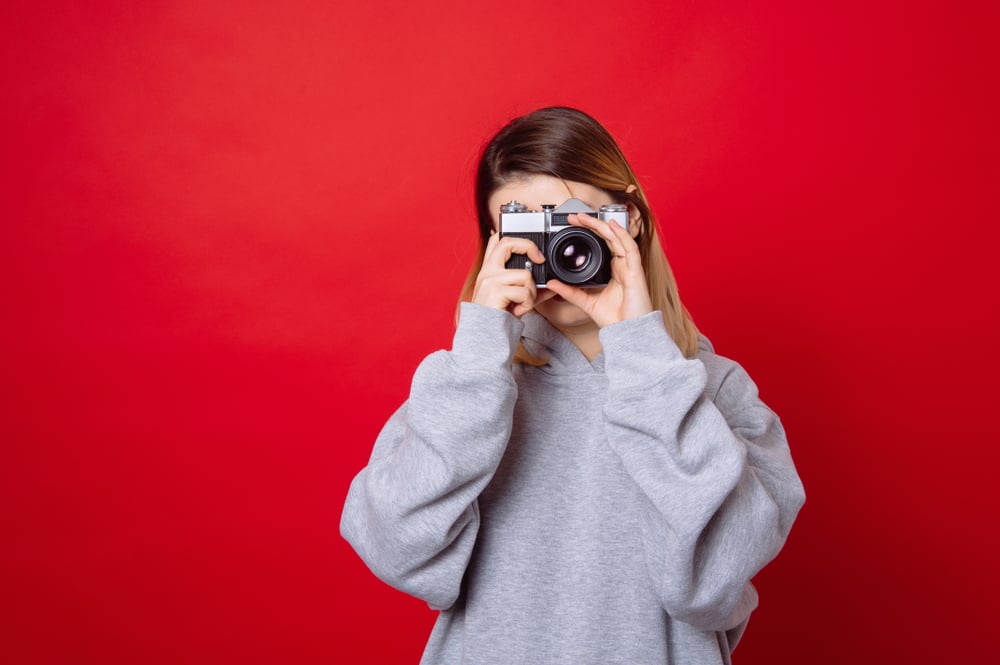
571, 294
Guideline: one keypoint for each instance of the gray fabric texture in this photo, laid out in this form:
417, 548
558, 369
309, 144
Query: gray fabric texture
580, 512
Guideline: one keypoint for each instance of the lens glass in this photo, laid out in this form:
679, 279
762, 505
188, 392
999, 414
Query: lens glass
575, 255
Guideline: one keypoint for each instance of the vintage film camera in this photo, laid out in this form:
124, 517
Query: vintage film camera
573, 255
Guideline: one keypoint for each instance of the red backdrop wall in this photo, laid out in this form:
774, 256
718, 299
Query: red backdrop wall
232, 229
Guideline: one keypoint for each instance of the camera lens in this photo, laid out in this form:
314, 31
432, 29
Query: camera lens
575, 255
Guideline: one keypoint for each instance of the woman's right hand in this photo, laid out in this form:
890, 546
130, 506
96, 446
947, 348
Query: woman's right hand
510, 289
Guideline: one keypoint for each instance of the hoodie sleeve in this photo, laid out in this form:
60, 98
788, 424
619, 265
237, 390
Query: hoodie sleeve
722, 488
412, 512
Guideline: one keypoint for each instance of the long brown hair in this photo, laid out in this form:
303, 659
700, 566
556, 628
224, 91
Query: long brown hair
570, 145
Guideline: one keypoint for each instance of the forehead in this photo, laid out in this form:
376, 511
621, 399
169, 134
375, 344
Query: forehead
536, 190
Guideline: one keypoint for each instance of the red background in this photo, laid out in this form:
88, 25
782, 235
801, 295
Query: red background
232, 229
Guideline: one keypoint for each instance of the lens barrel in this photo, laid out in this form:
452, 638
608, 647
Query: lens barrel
575, 255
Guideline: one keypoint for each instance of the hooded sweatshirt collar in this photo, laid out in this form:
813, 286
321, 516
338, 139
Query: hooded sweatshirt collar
543, 340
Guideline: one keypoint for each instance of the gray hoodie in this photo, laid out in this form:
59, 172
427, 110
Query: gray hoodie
611, 511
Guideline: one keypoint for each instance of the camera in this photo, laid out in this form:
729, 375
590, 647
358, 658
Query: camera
573, 255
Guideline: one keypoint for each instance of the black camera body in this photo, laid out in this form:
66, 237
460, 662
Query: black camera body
573, 255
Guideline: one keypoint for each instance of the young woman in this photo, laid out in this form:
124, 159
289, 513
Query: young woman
581, 479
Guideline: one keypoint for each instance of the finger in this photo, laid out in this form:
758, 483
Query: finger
517, 295
572, 294
491, 247
544, 294
520, 310
505, 295
603, 230
497, 287
491, 244
509, 277
507, 246
631, 250
619, 240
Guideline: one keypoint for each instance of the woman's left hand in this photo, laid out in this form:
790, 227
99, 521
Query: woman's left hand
626, 296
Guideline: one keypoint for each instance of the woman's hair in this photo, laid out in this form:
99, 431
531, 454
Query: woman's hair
570, 145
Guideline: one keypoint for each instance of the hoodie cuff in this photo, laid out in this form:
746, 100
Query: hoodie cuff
637, 352
486, 337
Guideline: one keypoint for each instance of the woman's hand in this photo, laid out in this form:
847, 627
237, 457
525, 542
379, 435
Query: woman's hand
507, 288
626, 296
